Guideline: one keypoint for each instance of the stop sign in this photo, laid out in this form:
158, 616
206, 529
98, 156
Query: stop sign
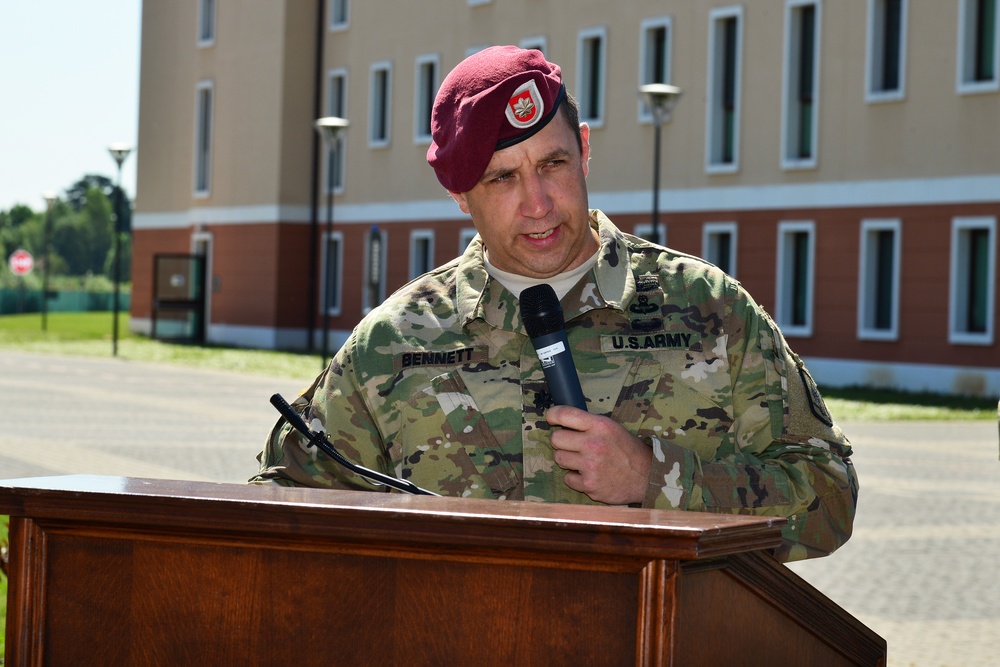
21, 262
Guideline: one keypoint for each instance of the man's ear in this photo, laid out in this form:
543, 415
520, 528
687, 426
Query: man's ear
585, 141
459, 198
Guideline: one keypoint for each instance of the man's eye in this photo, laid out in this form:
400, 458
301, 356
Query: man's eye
502, 177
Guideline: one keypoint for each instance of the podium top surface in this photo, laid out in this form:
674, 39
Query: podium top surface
303, 513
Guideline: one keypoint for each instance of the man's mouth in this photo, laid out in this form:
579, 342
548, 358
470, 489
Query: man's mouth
542, 235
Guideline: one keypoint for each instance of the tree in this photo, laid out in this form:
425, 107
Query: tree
76, 196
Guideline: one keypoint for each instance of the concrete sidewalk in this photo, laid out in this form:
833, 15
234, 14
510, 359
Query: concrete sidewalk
921, 569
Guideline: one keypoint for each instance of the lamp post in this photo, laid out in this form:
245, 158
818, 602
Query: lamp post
119, 152
329, 128
661, 100
50, 201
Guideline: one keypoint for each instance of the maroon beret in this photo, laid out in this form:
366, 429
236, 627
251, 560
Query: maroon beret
493, 99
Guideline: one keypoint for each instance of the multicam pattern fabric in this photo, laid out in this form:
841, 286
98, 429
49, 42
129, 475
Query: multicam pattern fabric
441, 386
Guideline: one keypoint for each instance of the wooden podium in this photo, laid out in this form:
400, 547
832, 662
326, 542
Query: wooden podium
122, 571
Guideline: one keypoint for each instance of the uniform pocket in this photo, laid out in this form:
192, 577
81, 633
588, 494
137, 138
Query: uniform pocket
448, 445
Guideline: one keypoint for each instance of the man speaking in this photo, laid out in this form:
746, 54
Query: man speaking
693, 399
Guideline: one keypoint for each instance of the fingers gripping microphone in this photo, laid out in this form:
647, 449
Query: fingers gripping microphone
543, 320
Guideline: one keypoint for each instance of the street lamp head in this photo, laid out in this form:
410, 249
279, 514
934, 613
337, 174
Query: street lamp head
119, 152
661, 99
50, 199
330, 127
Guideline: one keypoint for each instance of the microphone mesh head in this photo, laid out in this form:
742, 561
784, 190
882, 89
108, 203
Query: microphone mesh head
540, 311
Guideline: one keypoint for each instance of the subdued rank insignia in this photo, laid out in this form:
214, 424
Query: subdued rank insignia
644, 311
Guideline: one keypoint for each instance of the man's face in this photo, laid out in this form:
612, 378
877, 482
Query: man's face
530, 206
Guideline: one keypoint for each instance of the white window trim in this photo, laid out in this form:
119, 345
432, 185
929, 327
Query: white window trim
381, 66
420, 235
958, 262
384, 235
465, 237
338, 297
419, 103
205, 238
539, 42
335, 26
963, 85
787, 87
713, 86
709, 229
209, 41
644, 115
202, 193
866, 278
341, 73
582, 37
875, 54
645, 229
782, 285
478, 3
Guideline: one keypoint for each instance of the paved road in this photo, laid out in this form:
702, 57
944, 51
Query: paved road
921, 569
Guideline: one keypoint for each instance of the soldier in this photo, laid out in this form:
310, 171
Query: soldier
695, 401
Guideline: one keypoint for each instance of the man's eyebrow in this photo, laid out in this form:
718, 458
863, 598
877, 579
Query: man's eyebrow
500, 170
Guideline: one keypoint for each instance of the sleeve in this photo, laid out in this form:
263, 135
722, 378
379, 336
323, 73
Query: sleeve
789, 458
335, 405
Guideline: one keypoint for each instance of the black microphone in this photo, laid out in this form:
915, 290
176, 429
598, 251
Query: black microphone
320, 441
543, 319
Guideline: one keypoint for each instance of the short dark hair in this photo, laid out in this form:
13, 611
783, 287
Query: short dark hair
570, 110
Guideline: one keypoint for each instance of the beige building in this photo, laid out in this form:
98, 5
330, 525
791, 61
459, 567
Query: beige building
841, 159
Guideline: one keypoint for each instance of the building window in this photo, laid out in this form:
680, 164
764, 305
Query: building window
380, 106
421, 252
336, 106
979, 56
644, 230
538, 43
375, 269
796, 258
725, 45
206, 22
333, 257
718, 245
340, 14
426, 90
886, 49
465, 237
203, 138
591, 70
801, 85
973, 281
654, 56
879, 280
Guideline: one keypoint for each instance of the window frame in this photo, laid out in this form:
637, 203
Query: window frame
966, 82
204, 135
716, 116
380, 103
336, 108
791, 126
207, 22
587, 97
785, 285
868, 278
875, 88
416, 236
383, 270
423, 100
709, 231
334, 309
334, 24
646, 65
645, 229
958, 283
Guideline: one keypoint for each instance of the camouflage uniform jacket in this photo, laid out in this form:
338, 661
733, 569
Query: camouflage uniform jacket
440, 385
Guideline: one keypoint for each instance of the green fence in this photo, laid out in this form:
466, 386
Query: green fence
14, 301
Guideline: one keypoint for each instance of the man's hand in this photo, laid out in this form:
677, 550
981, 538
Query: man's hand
601, 458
